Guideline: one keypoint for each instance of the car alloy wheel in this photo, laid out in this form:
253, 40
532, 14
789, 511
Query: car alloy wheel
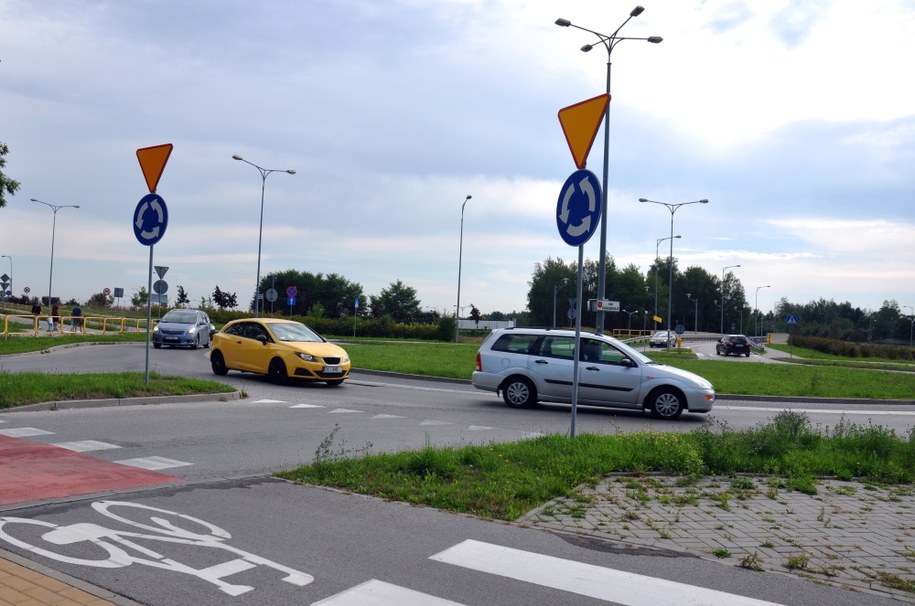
519, 393
666, 403
218, 364
277, 372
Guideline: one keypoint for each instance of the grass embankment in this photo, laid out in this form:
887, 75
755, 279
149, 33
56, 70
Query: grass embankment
20, 389
505, 481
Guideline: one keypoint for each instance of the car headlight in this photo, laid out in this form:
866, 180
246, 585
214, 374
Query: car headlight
156, 328
306, 357
191, 330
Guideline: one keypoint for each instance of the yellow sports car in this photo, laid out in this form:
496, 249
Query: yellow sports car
280, 349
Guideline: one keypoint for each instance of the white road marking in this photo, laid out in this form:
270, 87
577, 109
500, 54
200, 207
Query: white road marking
384, 416
24, 432
432, 422
87, 445
478, 428
379, 593
829, 411
625, 588
305, 406
268, 401
342, 411
153, 463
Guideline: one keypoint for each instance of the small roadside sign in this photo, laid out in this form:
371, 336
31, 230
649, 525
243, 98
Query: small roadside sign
791, 319
160, 270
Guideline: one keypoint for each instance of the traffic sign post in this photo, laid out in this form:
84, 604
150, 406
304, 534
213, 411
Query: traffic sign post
150, 219
577, 215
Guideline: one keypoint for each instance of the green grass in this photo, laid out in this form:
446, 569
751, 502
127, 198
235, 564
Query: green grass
20, 389
451, 360
505, 481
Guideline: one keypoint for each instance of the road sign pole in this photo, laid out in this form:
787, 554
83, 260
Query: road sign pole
149, 309
575, 361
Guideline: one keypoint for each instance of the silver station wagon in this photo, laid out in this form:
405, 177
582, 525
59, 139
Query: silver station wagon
527, 365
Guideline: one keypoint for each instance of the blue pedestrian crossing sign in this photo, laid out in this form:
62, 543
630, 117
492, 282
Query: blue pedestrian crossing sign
791, 319
150, 219
578, 208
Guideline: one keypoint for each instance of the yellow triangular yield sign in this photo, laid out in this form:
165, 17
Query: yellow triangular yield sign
580, 123
152, 162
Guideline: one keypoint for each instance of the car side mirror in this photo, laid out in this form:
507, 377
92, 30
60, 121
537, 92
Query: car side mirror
627, 362
262, 339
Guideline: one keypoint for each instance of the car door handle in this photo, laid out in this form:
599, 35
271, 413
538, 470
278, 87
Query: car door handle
592, 368
540, 361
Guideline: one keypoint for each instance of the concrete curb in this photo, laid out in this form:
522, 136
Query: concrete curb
140, 401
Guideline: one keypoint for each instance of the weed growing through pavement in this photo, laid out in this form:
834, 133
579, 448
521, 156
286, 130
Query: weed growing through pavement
752, 561
797, 562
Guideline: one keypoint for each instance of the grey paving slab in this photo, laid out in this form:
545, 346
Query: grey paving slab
848, 534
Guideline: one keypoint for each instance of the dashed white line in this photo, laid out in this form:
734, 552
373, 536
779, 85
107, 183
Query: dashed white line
343, 411
24, 432
87, 445
153, 463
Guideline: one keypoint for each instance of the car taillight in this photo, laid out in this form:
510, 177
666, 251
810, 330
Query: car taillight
479, 365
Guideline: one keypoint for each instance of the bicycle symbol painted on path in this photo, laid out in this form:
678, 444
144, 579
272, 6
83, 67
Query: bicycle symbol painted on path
117, 544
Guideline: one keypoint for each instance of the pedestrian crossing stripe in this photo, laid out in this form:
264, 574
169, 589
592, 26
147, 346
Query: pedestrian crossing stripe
625, 588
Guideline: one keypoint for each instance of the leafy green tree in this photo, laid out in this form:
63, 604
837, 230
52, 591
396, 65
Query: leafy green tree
7, 185
551, 277
139, 297
224, 300
100, 301
475, 314
182, 298
398, 301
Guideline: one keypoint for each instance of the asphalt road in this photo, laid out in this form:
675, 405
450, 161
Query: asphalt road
281, 543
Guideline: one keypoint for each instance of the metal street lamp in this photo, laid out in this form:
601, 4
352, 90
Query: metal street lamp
555, 287
670, 264
911, 324
12, 290
756, 307
55, 208
629, 327
609, 43
260, 231
457, 308
696, 320
723, 269
656, 249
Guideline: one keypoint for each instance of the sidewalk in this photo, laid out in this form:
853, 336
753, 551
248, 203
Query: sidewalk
849, 534
23, 583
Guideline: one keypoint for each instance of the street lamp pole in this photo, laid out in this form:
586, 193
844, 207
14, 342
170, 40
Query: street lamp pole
54, 208
12, 290
696, 319
609, 43
724, 269
756, 307
911, 324
670, 262
629, 327
457, 308
555, 287
656, 255
260, 230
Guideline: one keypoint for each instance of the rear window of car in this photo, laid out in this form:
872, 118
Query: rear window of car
515, 343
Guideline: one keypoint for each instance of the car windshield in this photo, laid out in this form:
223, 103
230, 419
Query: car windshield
293, 331
180, 317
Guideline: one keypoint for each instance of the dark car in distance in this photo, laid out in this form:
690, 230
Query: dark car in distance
733, 344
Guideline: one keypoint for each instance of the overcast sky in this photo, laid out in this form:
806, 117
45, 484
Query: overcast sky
796, 120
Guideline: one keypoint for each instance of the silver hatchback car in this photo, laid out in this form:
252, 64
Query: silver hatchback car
528, 365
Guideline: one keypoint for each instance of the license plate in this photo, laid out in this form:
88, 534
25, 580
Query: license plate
333, 370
